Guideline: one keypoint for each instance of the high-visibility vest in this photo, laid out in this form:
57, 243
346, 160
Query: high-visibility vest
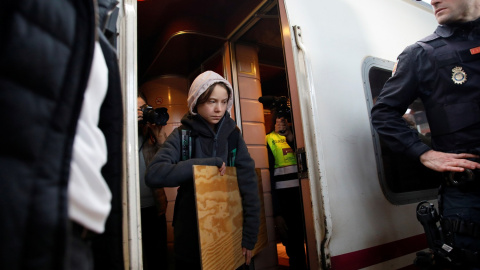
283, 153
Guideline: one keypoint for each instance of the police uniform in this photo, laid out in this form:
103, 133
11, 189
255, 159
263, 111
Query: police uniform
442, 69
286, 197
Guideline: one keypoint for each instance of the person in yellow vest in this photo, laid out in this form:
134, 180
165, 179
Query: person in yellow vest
286, 193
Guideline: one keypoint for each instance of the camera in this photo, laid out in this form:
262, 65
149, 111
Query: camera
278, 104
158, 116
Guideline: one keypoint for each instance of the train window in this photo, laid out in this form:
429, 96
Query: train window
402, 179
423, 3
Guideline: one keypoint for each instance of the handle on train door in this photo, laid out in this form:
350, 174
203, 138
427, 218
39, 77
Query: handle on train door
302, 163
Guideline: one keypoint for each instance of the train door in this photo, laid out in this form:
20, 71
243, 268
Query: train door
265, 38
163, 45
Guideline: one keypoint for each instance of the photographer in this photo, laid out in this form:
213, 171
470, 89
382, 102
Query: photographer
286, 197
153, 202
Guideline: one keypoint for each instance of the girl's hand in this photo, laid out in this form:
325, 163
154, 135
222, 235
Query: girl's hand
247, 254
222, 169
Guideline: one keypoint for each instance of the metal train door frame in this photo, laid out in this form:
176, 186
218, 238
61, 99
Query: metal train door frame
127, 54
315, 219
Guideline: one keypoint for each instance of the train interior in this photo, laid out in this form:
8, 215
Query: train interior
241, 40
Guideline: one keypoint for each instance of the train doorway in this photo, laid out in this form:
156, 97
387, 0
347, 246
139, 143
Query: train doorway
177, 40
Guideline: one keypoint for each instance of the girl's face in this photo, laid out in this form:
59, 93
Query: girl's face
214, 108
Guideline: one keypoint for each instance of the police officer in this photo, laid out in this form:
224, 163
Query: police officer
443, 69
287, 203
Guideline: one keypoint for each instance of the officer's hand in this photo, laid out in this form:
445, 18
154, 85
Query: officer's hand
446, 162
281, 228
247, 254
222, 169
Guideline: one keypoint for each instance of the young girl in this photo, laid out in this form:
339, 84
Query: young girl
209, 100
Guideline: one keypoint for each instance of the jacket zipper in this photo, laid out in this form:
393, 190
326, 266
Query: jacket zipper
215, 138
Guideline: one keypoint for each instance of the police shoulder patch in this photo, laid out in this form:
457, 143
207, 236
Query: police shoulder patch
394, 68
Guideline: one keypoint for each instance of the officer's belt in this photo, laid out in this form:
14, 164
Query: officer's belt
467, 178
460, 226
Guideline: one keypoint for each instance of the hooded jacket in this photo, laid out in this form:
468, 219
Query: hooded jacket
210, 148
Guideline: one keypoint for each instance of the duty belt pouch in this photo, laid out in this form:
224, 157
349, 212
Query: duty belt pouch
470, 229
447, 231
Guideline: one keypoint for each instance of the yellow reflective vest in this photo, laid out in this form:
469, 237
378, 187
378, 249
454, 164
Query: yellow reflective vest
283, 153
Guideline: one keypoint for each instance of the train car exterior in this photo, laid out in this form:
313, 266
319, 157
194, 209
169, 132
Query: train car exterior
365, 224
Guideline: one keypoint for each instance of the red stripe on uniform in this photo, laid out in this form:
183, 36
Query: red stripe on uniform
370, 256
475, 50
